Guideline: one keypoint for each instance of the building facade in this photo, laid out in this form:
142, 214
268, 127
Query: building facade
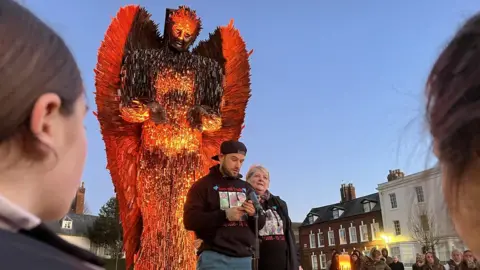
74, 226
353, 223
415, 216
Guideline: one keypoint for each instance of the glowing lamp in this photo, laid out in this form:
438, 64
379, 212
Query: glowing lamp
344, 261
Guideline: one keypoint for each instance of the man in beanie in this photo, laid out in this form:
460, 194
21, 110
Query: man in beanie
218, 211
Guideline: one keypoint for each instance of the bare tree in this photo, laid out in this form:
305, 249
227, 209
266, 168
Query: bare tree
423, 227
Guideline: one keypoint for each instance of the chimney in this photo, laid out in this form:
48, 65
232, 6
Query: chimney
78, 205
351, 191
347, 192
394, 175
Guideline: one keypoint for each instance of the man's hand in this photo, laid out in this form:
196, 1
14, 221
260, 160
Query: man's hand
235, 213
197, 243
249, 208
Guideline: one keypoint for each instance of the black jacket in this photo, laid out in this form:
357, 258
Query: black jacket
204, 213
41, 249
397, 266
293, 255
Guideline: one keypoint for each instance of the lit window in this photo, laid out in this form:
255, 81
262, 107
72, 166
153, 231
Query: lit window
353, 234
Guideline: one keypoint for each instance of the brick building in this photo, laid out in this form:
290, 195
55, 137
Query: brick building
353, 223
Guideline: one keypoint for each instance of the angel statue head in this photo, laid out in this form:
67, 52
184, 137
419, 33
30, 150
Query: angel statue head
183, 28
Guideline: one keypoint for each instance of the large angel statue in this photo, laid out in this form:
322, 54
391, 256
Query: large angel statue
164, 110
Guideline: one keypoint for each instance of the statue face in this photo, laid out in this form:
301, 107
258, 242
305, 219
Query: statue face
182, 36
184, 28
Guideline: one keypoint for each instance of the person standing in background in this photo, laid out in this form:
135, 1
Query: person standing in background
455, 261
375, 262
396, 264
469, 262
419, 262
388, 259
277, 248
356, 260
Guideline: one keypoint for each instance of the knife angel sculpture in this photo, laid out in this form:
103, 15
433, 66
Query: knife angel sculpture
164, 110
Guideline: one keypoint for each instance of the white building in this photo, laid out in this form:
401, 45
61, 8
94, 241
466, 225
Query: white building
74, 226
414, 212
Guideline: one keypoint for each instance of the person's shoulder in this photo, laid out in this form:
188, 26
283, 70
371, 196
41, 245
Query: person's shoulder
204, 181
20, 252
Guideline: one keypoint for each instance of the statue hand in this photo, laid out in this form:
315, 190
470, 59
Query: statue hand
157, 113
135, 112
204, 118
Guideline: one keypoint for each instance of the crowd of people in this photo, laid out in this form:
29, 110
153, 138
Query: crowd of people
43, 149
380, 260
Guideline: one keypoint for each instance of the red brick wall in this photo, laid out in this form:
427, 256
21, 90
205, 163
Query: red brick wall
334, 225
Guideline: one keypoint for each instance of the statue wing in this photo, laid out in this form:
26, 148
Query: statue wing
228, 48
130, 29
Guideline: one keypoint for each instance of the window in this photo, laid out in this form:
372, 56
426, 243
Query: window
94, 248
425, 223
363, 233
342, 234
314, 262
331, 238
312, 218
420, 197
375, 230
321, 241
323, 261
368, 206
393, 200
337, 213
312, 240
353, 234
67, 223
396, 227
395, 251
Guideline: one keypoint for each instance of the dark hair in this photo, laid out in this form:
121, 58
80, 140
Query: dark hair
34, 60
334, 261
453, 105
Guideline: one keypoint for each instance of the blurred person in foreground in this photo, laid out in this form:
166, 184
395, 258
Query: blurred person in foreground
453, 113
375, 262
277, 246
42, 143
455, 261
218, 211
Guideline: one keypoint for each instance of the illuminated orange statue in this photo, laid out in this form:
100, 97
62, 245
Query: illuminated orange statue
163, 112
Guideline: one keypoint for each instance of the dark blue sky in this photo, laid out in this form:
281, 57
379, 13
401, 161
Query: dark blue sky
337, 85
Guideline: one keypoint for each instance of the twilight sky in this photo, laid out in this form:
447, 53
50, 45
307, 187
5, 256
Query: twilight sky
337, 86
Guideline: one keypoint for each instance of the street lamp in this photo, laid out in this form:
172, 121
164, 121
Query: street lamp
386, 239
344, 261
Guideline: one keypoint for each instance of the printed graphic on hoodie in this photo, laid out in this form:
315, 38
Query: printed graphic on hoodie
273, 229
232, 197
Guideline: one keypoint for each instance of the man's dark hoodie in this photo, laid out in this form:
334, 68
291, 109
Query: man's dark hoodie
204, 213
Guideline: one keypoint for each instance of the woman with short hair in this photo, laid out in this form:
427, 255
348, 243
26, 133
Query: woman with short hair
277, 248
